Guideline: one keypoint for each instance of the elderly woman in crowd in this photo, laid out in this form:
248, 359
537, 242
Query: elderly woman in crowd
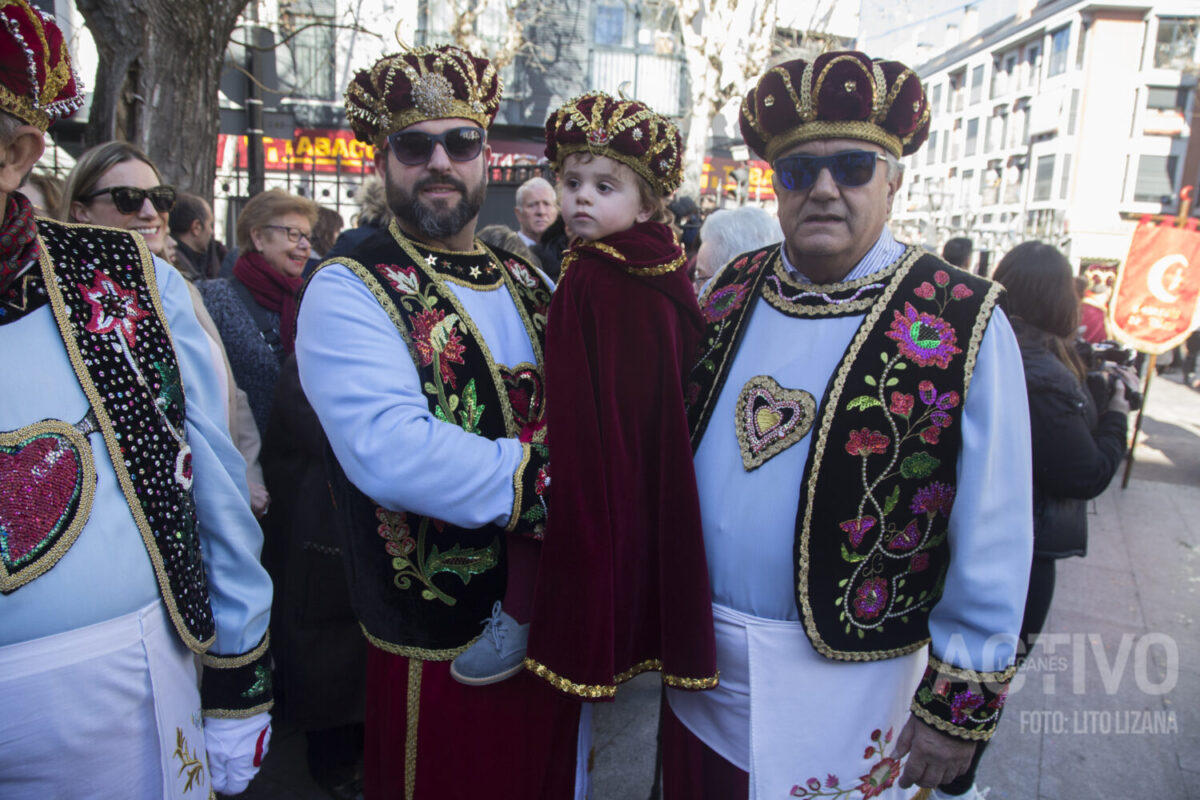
255, 310
117, 185
728, 232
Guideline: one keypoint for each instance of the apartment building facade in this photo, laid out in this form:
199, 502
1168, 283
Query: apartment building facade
1066, 122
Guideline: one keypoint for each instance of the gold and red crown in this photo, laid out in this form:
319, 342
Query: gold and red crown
37, 83
838, 95
424, 83
623, 130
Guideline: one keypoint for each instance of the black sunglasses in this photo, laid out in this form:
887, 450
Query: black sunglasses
128, 200
848, 168
416, 147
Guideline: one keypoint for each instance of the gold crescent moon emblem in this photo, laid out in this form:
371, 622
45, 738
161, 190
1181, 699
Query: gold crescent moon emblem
1157, 274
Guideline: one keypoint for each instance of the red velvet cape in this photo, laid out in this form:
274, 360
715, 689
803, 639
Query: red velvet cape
623, 581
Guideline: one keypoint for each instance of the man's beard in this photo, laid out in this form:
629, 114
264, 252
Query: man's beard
439, 221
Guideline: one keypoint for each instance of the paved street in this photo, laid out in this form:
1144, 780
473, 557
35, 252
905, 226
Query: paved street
1109, 703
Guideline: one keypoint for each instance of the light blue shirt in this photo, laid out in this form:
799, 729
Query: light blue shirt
750, 517
360, 378
107, 573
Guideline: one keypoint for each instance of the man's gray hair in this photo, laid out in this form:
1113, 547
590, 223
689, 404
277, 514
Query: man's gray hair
895, 167
528, 186
728, 232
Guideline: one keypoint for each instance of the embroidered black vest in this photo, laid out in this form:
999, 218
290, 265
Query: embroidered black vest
870, 551
420, 586
102, 288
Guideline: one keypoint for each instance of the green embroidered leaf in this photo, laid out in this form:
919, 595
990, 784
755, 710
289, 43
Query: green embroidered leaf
904, 619
453, 402
861, 635
847, 627
842, 583
708, 365
869, 380
892, 500
901, 365
863, 402
534, 514
921, 596
908, 601
400, 563
437, 412
851, 557
403, 581
900, 583
883, 357
463, 561
837, 602
919, 465
430, 388
842, 617
925, 695
892, 381
428, 595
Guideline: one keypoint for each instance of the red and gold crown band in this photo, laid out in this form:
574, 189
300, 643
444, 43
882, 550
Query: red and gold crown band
837, 95
623, 130
421, 84
37, 83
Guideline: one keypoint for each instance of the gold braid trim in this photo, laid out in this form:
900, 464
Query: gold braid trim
945, 727
412, 717
989, 305
596, 691
241, 713
962, 674
519, 488
661, 269
422, 653
834, 129
233, 662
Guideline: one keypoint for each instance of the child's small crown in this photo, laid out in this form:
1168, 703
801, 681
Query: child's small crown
623, 130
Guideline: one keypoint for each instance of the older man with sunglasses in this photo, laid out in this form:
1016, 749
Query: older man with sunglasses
862, 454
421, 353
127, 546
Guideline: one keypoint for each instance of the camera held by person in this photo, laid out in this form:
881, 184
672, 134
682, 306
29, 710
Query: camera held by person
1108, 363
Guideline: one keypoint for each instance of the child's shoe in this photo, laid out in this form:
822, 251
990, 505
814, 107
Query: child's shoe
498, 653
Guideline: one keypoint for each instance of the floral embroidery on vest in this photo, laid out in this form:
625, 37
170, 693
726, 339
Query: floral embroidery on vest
878, 778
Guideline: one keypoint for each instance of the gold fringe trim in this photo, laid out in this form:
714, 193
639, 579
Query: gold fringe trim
595, 691
233, 662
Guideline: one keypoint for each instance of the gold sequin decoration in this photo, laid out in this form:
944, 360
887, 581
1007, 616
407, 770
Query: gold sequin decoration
594, 691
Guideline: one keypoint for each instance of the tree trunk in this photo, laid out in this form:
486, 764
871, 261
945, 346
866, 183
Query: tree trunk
157, 80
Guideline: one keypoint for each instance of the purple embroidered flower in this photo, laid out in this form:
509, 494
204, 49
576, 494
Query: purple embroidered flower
857, 528
962, 705
925, 291
932, 499
831, 781
870, 598
906, 539
961, 292
923, 338
940, 418
864, 442
902, 404
724, 302
814, 784
919, 562
941, 277
927, 392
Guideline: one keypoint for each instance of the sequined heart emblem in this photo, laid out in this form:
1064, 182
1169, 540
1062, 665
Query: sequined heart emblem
527, 396
49, 480
770, 419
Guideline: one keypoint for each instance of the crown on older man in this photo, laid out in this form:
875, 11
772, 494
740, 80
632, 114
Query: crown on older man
623, 130
37, 83
421, 84
843, 94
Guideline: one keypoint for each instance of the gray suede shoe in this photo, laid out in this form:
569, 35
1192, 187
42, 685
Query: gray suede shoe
498, 653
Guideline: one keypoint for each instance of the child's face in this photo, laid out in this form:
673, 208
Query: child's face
600, 196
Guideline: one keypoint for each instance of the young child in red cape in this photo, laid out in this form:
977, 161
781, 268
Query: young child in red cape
622, 585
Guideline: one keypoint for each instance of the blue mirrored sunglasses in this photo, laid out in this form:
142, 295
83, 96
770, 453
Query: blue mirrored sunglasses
849, 168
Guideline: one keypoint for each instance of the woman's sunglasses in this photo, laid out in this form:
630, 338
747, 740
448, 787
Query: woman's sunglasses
128, 200
848, 168
416, 147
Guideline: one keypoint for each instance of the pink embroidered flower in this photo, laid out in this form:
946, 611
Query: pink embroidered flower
962, 705
521, 274
724, 301
542, 481
394, 527
113, 308
941, 686
870, 751
919, 563
879, 778
933, 499
435, 334
923, 338
831, 781
941, 277
402, 279
961, 292
925, 291
930, 434
741, 262
906, 539
999, 700
183, 467
902, 404
871, 598
864, 442
857, 528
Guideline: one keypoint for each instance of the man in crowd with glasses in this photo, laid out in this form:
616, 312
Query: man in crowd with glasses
127, 545
864, 471
421, 353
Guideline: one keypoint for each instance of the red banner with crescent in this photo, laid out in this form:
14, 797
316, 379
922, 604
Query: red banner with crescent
1155, 302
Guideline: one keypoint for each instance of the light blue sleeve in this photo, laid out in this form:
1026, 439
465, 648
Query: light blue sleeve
230, 538
976, 623
360, 378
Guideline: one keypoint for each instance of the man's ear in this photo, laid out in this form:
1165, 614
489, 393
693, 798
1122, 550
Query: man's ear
197, 228
21, 153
